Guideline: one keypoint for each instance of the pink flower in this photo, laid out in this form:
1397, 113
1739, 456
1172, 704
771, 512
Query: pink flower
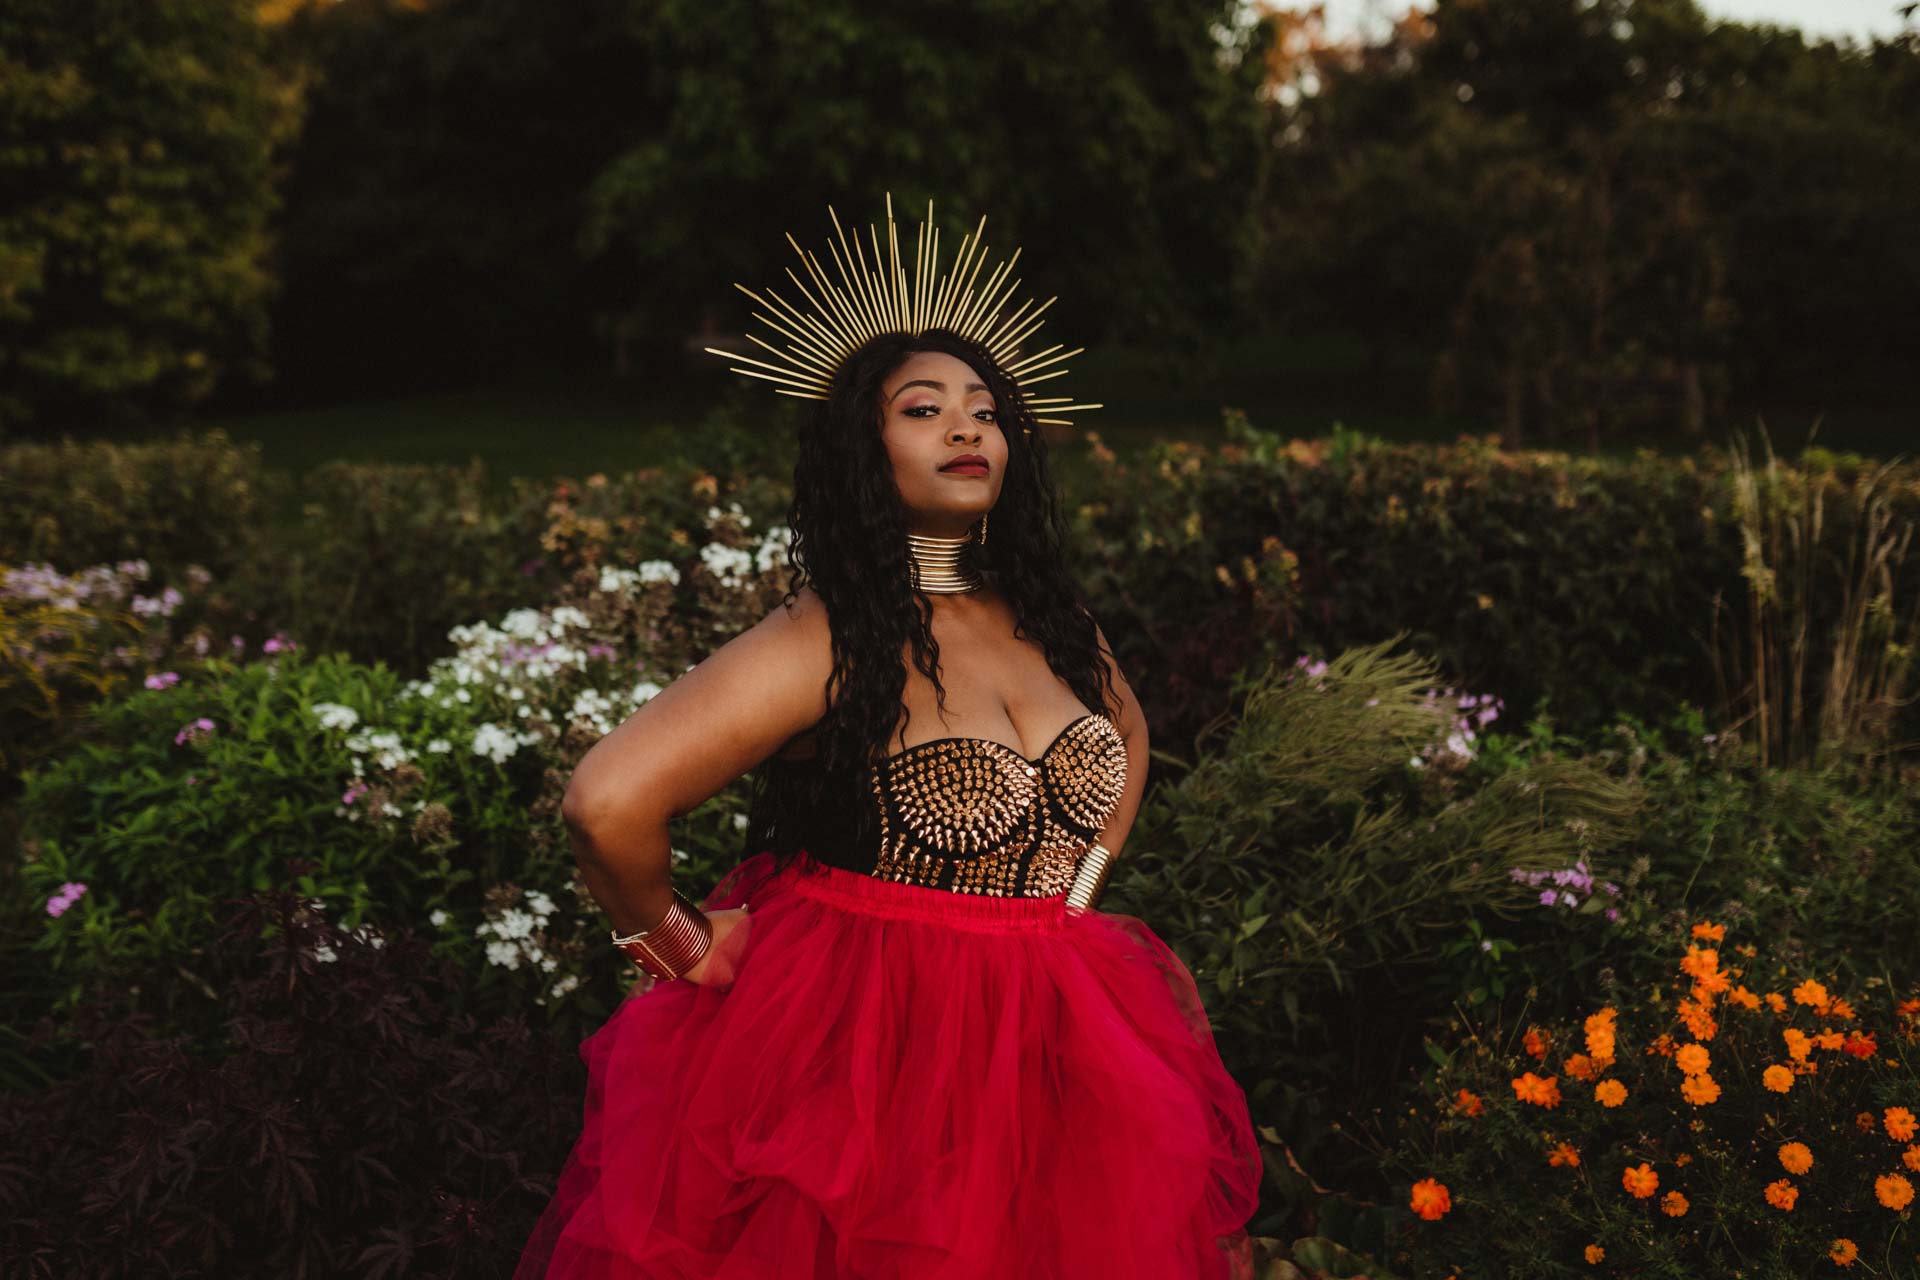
198, 729
238, 643
163, 680
354, 792
278, 643
68, 895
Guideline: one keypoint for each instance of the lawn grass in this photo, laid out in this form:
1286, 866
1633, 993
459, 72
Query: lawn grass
549, 422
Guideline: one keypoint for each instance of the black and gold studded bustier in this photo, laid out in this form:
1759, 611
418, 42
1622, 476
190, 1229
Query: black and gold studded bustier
971, 815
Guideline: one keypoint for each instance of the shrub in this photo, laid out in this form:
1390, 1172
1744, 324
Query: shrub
431, 799
1315, 865
69, 642
194, 499
344, 1113
1740, 1119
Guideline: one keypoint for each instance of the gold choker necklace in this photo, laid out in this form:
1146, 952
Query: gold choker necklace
942, 565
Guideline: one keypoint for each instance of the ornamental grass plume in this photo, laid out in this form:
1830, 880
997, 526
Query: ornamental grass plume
1732, 1092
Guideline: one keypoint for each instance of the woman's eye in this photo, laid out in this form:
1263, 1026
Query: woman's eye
925, 410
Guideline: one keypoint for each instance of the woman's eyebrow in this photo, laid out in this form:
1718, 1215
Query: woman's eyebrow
929, 382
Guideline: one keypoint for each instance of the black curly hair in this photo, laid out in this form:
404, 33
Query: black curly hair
850, 545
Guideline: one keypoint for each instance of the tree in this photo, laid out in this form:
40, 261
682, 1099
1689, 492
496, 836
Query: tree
136, 189
1119, 144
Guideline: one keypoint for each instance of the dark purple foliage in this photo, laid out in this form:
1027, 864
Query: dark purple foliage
348, 1120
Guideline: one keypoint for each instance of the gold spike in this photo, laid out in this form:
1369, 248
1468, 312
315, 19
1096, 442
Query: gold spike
872, 298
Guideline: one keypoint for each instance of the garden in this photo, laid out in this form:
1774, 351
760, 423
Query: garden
1541, 832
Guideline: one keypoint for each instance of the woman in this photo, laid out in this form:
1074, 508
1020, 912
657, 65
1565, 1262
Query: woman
897, 1042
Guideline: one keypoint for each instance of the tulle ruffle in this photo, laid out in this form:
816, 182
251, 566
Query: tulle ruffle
903, 1083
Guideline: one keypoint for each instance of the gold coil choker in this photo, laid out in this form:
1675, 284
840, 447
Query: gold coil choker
942, 565
672, 946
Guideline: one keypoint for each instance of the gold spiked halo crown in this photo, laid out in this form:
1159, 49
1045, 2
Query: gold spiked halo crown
872, 298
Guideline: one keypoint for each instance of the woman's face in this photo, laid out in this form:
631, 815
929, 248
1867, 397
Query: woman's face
934, 409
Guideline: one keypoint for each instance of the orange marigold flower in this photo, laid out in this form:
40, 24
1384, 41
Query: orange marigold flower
1535, 1042
1564, 1154
1641, 1181
1579, 1066
1909, 1008
1777, 1078
1708, 985
1600, 1032
1776, 1002
1699, 1022
1430, 1199
1673, 1204
1531, 1088
1710, 931
1595, 1253
1795, 1157
1899, 1122
1744, 998
1828, 1039
1700, 961
1811, 993
1610, 1093
1798, 1046
1700, 1089
1662, 1045
1842, 1010
1692, 1058
1861, 1044
1844, 1251
1781, 1193
1683, 1159
1893, 1191
1467, 1102
1911, 1158
1864, 1122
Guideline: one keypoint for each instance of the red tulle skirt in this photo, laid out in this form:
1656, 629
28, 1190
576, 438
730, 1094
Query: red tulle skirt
905, 1083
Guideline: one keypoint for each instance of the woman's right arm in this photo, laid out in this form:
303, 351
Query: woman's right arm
685, 744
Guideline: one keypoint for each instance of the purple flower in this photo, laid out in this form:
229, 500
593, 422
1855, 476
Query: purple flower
1613, 914
238, 643
163, 680
1549, 896
68, 895
353, 792
278, 643
198, 729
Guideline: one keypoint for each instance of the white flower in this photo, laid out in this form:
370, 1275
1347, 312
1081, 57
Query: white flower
438, 917
461, 695
726, 563
565, 984
522, 624
614, 580
568, 616
324, 951
439, 746
678, 855
739, 822
642, 692
495, 743
503, 953
515, 923
773, 550
658, 571
332, 715
539, 903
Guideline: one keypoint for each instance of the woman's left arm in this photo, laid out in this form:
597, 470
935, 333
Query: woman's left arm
1132, 724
